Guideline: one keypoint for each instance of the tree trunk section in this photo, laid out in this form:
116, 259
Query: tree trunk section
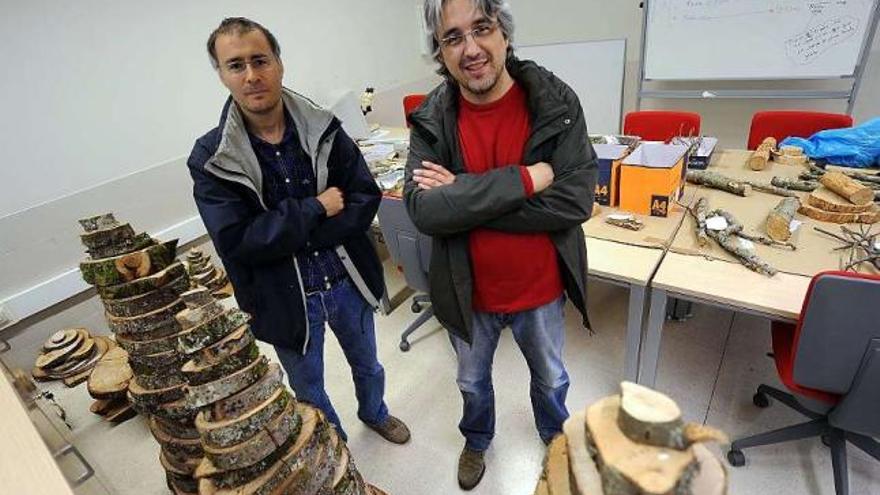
201, 395
779, 219
794, 184
145, 303
117, 270
235, 406
143, 285
284, 425
847, 187
110, 378
761, 156
715, 180
826, 199
211, 331
222, 434
870, 217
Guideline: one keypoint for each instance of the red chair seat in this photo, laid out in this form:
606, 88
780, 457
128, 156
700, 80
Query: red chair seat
782, 124
783, 354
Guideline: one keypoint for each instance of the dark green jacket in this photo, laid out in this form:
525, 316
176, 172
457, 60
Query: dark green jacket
497, 199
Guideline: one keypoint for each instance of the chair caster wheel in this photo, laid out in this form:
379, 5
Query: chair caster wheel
736, 458
404, 346
761, 400
416, 307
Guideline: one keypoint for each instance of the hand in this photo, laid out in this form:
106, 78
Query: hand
332, 201
541, 174
432, 175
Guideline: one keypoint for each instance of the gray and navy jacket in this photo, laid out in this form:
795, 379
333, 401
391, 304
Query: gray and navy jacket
258, 244
497, 199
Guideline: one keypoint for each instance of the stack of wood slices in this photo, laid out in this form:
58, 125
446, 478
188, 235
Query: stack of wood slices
634, 443
204, 273
70, 355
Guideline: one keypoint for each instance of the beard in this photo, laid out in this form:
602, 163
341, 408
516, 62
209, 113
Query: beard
484, 84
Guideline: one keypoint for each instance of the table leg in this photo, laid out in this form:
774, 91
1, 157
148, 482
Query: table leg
656, 318
634, 321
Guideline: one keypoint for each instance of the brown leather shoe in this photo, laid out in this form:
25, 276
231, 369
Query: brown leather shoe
471, 468
393, 430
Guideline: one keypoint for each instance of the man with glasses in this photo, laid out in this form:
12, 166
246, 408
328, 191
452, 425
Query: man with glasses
501, 175
287, 199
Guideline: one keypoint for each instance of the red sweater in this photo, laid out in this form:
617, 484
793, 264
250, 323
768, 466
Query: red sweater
512, 272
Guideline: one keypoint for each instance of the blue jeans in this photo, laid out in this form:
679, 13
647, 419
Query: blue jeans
351, 319
540, 334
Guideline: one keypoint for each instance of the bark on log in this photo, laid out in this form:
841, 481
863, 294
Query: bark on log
870, 217
715, 180
206, 372
121, 412
143, 285
201, 395
779, 219
630, 223
178, 447
153, 397
760, 157
103, 221
183, 467
771, 189
178, 429
148, 302
585, 476
283, 426
196, 298
211, 331
794, 185
152, 346
701, 209
147, 364
235, 406
731, 239
147, 323
847, 187
112, 271
194, 316
222, 434
138, 242
826, 199
629, 467
109, 379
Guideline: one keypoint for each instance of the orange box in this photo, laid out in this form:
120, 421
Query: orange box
651, 178
609, 157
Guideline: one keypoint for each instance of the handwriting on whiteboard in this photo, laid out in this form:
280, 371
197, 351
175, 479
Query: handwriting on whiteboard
805, 47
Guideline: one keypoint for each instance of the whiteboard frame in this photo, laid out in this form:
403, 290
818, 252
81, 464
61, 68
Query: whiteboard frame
850, 95
625, 41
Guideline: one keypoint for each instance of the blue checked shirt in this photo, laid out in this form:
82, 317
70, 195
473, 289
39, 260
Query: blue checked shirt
288, 173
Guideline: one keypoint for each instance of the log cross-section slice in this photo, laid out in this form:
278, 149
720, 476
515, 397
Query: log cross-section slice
649, 417
97, 222
630, 467
148, 302
58, 356
60, 339
143, 285
236, 405
205, 372
779, 219
111, 375
869, 217
110, 271
556, 466
153, 397
284, 425
146, 323
211, 331
221, 434
585, 476
826, 199
202, 395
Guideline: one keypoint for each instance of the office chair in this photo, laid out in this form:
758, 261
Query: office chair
661, 125
410, 103
830, 361
781, 124
411, 250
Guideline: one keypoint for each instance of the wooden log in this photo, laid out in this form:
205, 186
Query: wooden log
630, 467
715, 180
196, 298
178, 429
206, 372
761, 156
584, 475
194, 316
220, 434
147, 322
701, 209
138, 242
103, 221
556, 465
148, 302
211, 331
201, 395
847, 187
218, 281
109, 379
60, 339
795, 185
143, 285
115, 270
731, 240
826, 199
284, 425
779, 219
870, 217
237, 405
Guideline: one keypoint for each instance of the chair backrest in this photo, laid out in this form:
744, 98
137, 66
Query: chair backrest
408, 247
840, 317
781, 124
661, 125
410, 103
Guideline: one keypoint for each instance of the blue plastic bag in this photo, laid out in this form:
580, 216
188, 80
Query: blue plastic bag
854, 147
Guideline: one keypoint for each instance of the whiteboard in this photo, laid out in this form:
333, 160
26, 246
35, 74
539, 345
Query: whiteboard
755, 39
594, 70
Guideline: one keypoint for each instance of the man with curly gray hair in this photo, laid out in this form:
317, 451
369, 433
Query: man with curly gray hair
501, 174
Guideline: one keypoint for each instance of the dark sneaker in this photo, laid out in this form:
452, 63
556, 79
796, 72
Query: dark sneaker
471, 468
393, 430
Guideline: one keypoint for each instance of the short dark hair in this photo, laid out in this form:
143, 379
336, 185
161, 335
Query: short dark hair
239, 25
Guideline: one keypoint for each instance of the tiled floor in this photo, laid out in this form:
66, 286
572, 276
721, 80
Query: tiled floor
710, 365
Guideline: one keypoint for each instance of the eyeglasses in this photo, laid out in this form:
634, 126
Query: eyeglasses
258, 63
480, 32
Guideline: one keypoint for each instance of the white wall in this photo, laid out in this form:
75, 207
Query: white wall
103, 100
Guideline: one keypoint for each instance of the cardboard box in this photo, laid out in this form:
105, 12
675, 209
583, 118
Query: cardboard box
651, 178
607, 186
700, 154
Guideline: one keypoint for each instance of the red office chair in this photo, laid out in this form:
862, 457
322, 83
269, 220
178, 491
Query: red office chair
830, 361
781, 124
410, 103
661, 125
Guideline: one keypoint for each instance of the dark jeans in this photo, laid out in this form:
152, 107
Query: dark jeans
540, 334
351, 319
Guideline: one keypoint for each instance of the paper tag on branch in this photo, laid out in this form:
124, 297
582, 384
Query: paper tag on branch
747, 245
717, 223
794, 225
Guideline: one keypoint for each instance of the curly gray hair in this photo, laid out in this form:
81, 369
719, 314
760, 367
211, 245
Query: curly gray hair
493, 9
